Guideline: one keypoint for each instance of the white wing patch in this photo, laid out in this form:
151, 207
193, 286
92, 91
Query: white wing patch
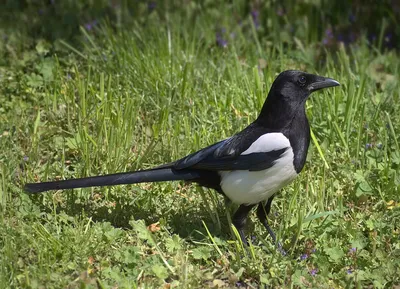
268, 142
251, 187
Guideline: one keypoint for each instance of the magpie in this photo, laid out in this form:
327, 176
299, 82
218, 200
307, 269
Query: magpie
247, 168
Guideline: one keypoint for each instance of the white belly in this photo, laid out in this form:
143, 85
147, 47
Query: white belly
251, 187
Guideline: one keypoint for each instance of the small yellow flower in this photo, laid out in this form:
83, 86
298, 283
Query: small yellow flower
391, 204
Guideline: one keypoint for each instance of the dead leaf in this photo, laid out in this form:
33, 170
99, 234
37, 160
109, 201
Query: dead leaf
91, 260
377, 72
262, 63
154, 227
218, 283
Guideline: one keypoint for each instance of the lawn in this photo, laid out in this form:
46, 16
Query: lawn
129, 93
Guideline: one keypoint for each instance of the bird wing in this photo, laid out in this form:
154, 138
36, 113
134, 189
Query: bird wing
252, 149
190, 160
251, 162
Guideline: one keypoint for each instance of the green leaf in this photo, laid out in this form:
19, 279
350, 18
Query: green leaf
202, 253
43, 47
45, 68
358, 243
37, 123
111, 233
297, 278
160, 271
173, 244
239, 273
320, 215
265, 279
142, 231
395, 157
34, 80
72, 142
335, 253
370, 224
363, 188
130, 255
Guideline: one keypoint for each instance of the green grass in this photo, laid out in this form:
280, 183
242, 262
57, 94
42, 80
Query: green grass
148, 94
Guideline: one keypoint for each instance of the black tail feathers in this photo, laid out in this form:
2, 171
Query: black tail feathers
152, 175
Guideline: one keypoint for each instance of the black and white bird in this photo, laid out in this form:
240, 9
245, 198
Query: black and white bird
249, 167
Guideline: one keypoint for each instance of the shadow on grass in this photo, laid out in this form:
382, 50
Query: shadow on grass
186, 220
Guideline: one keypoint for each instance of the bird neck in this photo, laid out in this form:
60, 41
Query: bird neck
277, 114
293, 123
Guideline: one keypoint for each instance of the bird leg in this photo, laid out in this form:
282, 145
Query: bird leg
262, 216
239, 220
268, 205
262, 213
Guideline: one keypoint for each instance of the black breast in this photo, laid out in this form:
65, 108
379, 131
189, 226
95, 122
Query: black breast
299, 137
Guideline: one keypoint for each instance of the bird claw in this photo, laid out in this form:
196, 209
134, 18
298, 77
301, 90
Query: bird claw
280, 249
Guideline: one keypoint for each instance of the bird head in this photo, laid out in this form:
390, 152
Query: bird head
288, 95
296, 86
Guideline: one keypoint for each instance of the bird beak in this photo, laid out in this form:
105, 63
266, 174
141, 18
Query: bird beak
322, 82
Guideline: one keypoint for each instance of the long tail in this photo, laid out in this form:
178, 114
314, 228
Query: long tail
151, 175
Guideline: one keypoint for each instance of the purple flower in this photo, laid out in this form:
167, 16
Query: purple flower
89, 26
314, 272
352, 18
352, 37
379, 146
313, 250
303, 257
328, 36
388, 37
280, 11
368, 146
222, 42
151, 5
371, 37
329, 32
220, 39
352, 250
349, 271
255, 15
25, 158
389, 43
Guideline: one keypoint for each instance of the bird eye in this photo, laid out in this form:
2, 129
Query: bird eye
302, 79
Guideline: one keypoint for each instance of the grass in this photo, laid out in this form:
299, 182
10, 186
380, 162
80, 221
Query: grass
144, 95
